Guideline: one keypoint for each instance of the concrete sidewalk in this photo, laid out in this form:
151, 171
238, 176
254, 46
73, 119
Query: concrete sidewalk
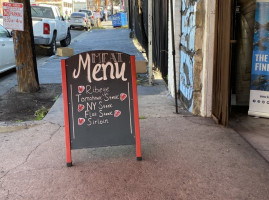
184, 157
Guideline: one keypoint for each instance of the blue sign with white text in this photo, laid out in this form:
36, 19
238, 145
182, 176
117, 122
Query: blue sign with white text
259, 86
260, 58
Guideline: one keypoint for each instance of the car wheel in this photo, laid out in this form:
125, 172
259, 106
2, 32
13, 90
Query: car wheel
52, 46
67, 40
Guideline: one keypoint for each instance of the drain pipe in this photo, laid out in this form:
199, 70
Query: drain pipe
150, 62
174, 53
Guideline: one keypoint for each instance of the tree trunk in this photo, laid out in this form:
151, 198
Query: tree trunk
112, 7
25, 53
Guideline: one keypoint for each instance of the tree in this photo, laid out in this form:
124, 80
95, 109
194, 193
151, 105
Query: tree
25, 53
116, 2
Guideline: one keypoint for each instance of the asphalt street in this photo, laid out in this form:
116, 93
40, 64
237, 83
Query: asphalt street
9, 79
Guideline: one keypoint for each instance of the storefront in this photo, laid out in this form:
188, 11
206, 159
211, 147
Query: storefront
241, 59
217, 67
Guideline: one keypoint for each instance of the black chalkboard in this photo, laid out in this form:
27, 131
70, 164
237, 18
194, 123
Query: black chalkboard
98, 89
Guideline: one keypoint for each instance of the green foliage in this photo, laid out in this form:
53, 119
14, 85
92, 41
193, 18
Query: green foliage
142, 117
138, 82
55, 98
41, 113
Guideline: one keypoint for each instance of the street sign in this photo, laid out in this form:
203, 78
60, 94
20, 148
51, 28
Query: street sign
100, 101
13, 16
97, 15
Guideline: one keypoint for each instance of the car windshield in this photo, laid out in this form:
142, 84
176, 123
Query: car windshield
3, 32
87, 11
78, 15
43, 12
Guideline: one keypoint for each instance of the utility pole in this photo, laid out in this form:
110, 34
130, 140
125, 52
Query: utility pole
98, 10
150, 41
98, 5
25, 53
131, 17
112, 6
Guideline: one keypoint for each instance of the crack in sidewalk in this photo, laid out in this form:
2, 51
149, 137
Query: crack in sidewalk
27, 158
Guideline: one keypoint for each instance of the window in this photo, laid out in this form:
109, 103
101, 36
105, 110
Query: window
3, 32
77, 15
43, 12
58, 13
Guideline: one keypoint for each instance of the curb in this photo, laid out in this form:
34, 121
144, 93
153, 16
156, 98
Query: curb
7, 127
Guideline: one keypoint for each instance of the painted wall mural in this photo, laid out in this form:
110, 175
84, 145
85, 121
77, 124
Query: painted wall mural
187, 52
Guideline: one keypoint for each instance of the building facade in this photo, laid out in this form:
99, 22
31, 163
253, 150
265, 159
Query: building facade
193, 25
214, 43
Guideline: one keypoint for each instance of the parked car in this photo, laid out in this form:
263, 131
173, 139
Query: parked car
7, 58
80, 20
49, 27
90, 15
100, 15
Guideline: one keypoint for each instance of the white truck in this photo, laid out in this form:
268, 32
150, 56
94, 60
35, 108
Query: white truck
49, 27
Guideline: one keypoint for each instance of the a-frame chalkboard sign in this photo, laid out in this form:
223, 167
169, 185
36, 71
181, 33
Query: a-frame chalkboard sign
100, 101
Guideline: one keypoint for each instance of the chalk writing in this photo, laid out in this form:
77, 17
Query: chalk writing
99, 71
96, 107
100, 99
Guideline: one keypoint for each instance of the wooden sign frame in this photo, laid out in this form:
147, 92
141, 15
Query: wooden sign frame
67, 111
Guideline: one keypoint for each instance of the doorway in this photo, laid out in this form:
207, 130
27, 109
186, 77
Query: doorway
235, 21
241, 61
222, 62
232, 59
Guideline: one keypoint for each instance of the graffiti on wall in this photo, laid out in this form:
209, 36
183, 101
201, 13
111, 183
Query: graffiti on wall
187, 52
